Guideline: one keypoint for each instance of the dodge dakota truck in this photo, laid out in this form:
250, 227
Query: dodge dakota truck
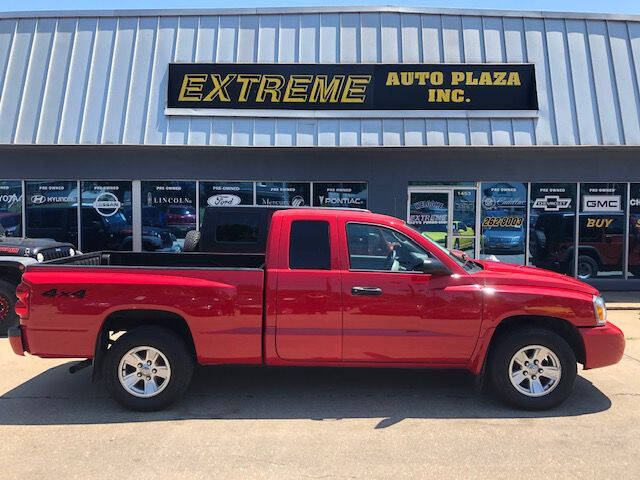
341, 288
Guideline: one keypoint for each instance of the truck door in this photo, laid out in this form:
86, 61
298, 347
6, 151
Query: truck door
308, 297
395, 313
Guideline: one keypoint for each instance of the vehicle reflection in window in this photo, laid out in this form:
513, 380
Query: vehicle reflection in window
52, 210
634, 231
601, 230
372, 247
552, 226
103, 224
504, 212
168, 213
11, 208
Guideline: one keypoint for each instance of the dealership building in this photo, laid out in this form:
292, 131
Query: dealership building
508, 135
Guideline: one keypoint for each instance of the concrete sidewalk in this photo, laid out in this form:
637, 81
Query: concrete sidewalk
622, 300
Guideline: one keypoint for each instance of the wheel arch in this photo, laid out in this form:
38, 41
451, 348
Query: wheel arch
127, 319
561, 327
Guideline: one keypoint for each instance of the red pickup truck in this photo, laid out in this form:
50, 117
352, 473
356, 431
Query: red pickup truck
339, 288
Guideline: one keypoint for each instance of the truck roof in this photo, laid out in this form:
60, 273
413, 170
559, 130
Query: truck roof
354, 214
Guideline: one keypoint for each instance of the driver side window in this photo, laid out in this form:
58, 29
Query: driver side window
372, 247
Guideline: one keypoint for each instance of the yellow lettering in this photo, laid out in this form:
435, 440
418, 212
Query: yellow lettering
422, 77
220, 87
436, 78
485, 79
323, 92
270, 84
406, 78
191, 90
355, 88
457, 77
392, 79
247, 81
514, 79
471, 80
457, 95
297, 87
499, 78
443, 95
591, 222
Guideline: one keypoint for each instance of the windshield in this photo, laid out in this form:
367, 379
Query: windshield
465, 262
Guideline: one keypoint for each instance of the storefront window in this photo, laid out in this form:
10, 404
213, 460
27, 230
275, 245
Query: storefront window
105, 214
52, 210
225, 194
601, 230
504, 212
552, 218
11, 208
168, 213
634, 230
345, 195
287, 194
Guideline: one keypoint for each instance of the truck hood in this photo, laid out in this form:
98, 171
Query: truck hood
497, 273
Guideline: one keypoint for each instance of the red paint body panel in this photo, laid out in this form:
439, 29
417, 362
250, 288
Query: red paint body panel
603, 345
223, 308
282, 316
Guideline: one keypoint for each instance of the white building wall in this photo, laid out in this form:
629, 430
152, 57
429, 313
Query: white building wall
102, 79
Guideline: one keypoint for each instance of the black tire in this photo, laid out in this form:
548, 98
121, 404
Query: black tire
8, 317
191, 241
508, 345
172, 347
587, 267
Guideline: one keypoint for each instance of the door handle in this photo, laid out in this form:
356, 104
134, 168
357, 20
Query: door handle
366, 291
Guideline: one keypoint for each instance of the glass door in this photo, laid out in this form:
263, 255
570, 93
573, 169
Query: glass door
445, 215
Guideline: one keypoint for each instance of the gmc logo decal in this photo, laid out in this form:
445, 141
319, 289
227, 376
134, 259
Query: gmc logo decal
601, 203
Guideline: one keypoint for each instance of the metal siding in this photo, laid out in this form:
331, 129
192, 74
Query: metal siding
103, 80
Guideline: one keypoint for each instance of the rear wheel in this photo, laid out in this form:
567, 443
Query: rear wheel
534, 369
148, 369
8, 317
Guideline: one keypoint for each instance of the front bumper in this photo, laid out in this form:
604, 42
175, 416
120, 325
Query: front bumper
602, 345
15, 339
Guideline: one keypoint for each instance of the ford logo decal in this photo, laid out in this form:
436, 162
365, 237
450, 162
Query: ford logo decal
224, 200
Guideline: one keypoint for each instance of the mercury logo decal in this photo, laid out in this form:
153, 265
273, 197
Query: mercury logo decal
297, 201
107, 204
552, 203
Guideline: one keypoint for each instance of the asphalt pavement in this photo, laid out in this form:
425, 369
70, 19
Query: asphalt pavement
318, 423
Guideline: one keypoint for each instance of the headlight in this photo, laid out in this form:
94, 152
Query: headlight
600, 310
72, 252
40, 257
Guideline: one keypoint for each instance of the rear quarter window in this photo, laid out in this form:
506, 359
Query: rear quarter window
309, 245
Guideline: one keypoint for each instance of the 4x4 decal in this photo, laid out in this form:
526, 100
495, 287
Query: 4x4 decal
63, 293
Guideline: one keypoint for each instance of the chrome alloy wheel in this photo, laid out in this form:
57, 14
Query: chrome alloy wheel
535, 371
144, 371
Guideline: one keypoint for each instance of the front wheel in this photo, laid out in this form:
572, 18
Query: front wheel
534, 369
148, 369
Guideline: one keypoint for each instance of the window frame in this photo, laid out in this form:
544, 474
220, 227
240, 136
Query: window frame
330, 250
404, 272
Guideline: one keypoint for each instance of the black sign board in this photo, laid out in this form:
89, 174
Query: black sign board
352, 86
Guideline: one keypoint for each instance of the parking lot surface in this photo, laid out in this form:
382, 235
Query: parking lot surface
318, 423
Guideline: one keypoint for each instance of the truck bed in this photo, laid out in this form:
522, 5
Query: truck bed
171, 260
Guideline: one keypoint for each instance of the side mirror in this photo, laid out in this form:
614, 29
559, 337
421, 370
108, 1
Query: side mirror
434, 267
